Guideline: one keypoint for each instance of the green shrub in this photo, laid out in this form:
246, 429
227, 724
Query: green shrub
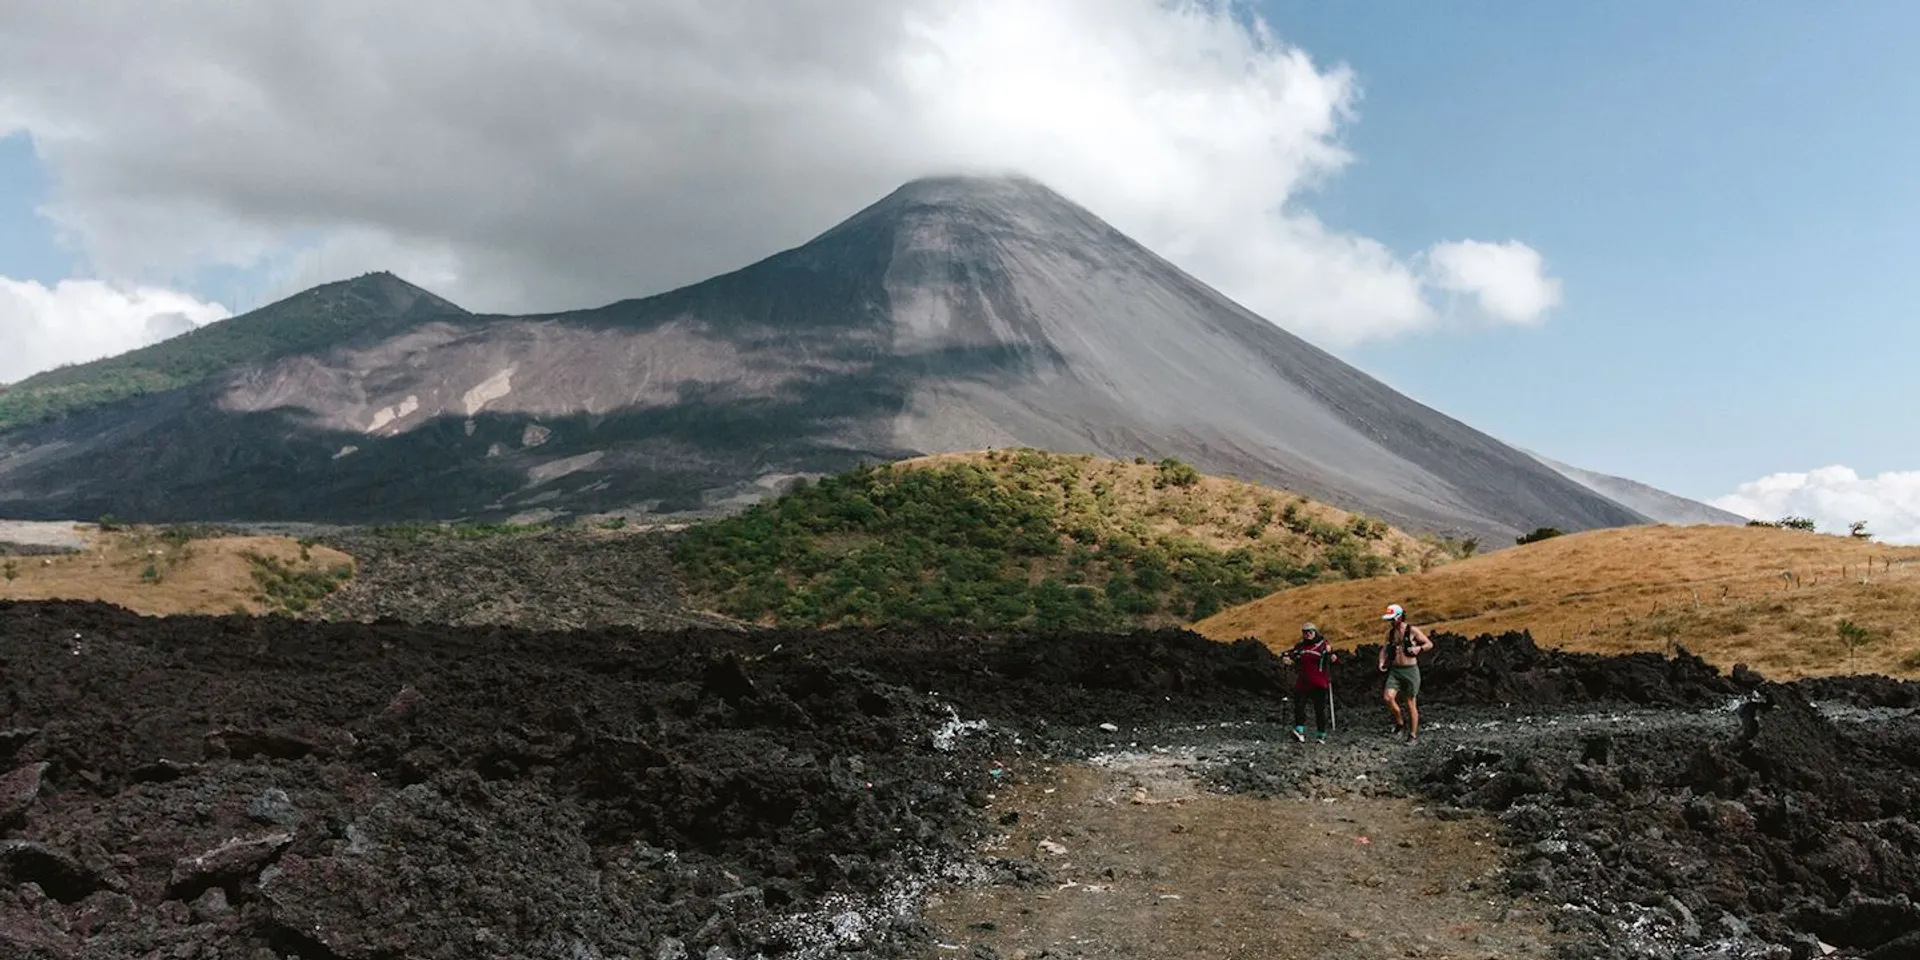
291, 590
181, 534
1294, 518
1173, 473
1539, 534
1366, 528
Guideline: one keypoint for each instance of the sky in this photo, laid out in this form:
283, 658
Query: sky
1664, 241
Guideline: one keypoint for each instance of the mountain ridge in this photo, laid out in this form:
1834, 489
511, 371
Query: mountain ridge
1657, 504
310, 319
954, 313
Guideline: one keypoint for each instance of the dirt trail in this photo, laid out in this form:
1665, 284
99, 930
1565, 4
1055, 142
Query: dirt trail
1147, 860
23, 536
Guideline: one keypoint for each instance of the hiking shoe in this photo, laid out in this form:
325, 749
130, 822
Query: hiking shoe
1300, 734
1320, 738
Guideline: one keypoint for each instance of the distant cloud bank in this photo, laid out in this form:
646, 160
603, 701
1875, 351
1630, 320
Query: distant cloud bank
79, 320
1833, 498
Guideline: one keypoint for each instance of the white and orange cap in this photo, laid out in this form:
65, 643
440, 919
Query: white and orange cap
1394, 612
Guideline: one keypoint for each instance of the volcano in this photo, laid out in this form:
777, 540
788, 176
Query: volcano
955, 313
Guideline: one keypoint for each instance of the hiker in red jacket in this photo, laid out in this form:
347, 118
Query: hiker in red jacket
1312, 681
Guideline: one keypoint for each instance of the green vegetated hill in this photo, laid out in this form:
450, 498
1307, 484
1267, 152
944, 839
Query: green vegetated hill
313, 320
1026, 538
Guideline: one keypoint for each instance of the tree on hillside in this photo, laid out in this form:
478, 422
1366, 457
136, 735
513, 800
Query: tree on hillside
1858, 530
1539, 534
1853, 635
1797, 523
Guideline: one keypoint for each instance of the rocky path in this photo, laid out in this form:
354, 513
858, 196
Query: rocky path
31, 537
1146, 860
1231, 840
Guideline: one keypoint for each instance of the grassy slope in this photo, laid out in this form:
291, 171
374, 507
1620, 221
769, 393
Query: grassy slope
1024, 537
305, 321
1718, 591
162, 571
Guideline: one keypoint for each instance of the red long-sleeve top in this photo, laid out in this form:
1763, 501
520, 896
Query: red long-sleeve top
1313, 658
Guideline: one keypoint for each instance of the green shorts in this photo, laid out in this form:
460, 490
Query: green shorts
1404, 679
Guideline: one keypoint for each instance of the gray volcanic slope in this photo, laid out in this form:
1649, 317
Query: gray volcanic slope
1656, 504
953, 314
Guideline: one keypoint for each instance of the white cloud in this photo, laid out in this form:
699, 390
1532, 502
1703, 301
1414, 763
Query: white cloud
1834, 497
559, 154
79, 320
1508, 279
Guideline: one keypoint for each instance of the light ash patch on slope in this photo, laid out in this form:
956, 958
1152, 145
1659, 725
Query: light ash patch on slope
555, 469
386, 416
493, 388
542, 368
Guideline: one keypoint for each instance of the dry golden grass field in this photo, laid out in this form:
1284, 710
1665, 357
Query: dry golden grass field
1220, 512
1771, 598
155, 572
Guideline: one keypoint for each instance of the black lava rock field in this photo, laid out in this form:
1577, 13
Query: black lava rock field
237, 787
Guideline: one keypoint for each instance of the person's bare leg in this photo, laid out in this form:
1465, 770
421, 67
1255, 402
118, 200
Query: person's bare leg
1393, 706
1413, 719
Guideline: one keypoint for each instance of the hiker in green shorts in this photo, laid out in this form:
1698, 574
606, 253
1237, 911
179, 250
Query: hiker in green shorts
1400, 661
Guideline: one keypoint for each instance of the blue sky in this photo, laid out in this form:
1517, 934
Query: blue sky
1726, 193
1729, 193
27, 247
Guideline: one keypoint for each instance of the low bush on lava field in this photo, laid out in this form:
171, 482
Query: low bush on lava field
291, 589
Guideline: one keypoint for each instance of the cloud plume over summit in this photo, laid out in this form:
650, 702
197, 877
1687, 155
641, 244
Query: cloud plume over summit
562, 154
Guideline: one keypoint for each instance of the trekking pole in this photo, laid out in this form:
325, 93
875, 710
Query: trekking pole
1333, 721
